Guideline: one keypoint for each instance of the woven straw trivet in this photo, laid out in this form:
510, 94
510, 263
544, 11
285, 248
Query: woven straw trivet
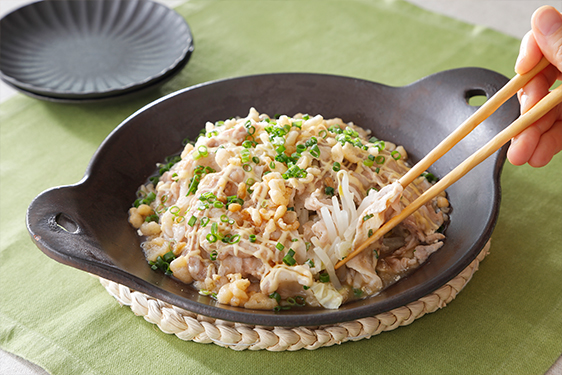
193, 327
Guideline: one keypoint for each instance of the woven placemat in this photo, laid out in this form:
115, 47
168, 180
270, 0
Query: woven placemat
198, 328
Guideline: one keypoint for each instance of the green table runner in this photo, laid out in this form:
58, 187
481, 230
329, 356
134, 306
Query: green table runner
508, 320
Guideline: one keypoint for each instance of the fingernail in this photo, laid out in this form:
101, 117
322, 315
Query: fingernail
548, 21
523, 101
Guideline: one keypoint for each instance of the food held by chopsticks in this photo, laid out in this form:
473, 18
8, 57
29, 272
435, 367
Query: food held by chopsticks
258, 211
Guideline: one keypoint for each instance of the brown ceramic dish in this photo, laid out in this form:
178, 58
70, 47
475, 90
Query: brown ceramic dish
85, 225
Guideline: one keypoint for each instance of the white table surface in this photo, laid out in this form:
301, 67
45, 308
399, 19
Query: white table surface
511, 17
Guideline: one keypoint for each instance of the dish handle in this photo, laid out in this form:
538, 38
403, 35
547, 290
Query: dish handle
54, 226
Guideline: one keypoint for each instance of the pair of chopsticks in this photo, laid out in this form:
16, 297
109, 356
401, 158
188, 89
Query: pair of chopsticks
515, 84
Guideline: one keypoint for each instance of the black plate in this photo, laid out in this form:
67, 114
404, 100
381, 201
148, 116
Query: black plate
97, 237
91, 49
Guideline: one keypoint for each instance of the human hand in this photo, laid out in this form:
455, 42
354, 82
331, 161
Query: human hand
537, 144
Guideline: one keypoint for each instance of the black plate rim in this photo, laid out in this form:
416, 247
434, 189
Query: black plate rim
43, 93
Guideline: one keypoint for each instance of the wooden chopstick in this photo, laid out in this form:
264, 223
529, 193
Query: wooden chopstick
540, 109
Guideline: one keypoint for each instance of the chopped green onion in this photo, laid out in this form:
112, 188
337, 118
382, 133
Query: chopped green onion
208, 196
245, 155
174, 210
315, 151
250, 181
324, 277
300, 301
214, 228
380, 159
192, 221
377, 254
163, 262
323, 133
147, 200
276, 296
328, 190
252, 238
211, 238
213, 255
219, 123
396, 155
152, 217
234, 199
247, 167
336, 167
357, 292
429, 177
380, 145
234, 239
300, 148
204, 221
370, 232
272, 164
310, 263
247, 144
367, 217
224, 218
256, 160
311, 141
279, 246
288, 258
218, 204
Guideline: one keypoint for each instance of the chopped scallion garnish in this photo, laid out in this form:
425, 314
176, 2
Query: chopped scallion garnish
204, 221
336, 167
288, 258
192, 221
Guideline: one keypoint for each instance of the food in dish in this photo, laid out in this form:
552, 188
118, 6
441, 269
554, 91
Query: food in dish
258, 210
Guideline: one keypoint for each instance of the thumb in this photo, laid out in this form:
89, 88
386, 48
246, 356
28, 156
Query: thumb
547, 29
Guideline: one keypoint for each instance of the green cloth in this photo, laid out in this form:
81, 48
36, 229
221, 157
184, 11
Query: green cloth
508, 320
